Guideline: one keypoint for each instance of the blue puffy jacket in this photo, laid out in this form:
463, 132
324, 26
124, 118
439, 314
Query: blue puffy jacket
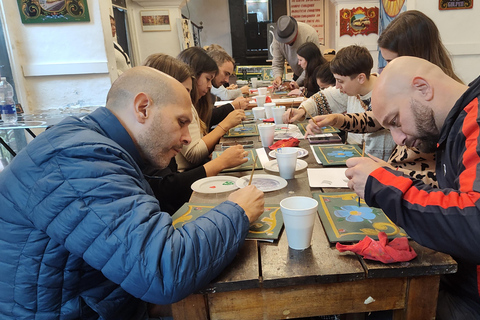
83, 237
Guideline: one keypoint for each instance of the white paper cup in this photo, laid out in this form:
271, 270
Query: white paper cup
267, 132
299, 218
260, 100
254, 82
268, 109
278, 112
262, 91
287, 162
258, 113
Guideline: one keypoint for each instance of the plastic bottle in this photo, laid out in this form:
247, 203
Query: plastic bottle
7, 105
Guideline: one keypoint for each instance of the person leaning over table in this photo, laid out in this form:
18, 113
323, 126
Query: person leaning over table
404, 36
288, 36
82, 234
226, 66
351, 68
425, 108
173, 188
324, 76
203, 142
309, 58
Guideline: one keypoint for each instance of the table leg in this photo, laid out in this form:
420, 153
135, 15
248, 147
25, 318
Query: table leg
192, 307
421, 300
30, 132
7, 147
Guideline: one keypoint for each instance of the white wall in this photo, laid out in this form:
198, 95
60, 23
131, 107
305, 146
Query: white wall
56, 65
215, 17
72, 64
458, 29
145, 43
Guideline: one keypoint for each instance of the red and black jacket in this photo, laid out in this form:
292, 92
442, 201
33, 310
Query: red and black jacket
445, 219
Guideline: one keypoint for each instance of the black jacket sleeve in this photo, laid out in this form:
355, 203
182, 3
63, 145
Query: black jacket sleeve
219, 113
172, 188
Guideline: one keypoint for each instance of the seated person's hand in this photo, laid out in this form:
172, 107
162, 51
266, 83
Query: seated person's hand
381, 162
293, 85
292, 115
315, 127
233, 119
240, 103
251, 200
295, 92
232, 157
359, 169
245, 90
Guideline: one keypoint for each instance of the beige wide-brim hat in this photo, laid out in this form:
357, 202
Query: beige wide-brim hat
286, 29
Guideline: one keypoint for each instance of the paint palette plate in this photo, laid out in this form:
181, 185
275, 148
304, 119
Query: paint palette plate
300, 153
273, 165
215, 184
264, 182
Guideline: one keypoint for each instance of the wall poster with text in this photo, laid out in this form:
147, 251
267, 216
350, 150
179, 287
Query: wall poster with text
311, 12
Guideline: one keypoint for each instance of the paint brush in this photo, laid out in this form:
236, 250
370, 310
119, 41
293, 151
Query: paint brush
253, 170
363, 155
308, 114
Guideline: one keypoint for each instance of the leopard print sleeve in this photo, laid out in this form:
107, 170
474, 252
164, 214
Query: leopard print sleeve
415, 164
363, 122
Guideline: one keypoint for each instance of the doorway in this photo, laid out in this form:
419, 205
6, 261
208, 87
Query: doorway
123, 35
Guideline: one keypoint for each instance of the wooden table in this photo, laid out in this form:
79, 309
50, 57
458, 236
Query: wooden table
272, 281
280, 100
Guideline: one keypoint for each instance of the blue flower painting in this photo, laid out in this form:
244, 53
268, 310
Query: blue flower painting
341, 154
355, 213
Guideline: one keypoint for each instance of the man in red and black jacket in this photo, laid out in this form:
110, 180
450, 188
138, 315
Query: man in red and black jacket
426, 109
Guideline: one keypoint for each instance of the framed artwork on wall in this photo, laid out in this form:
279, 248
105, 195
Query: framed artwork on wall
155, 20
359, 20
47, 11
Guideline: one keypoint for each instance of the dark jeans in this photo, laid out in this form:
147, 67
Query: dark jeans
452, 307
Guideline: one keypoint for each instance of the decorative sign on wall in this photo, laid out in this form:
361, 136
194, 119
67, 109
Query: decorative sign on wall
185, 33
46, 11
311, 12
358, 21
155, 20
455, 4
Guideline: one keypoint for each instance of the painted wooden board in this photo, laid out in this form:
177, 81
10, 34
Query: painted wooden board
345, 221
249, 115
336, 155
252, 154
242, 130
267, 227
329, 129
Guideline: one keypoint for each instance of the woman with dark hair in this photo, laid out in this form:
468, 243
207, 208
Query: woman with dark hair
324, 76
309, 58
203, 141
169, 183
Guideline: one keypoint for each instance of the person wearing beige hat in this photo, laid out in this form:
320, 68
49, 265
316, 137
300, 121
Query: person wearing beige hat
288, 36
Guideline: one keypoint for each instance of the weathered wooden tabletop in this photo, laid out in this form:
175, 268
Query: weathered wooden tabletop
272, 281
